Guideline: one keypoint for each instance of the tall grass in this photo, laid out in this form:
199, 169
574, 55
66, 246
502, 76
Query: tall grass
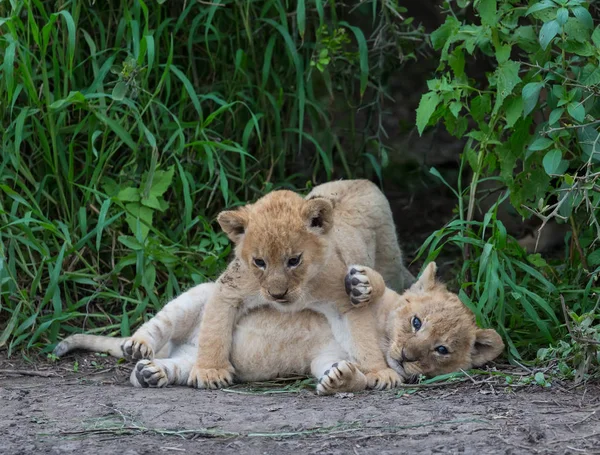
127, 125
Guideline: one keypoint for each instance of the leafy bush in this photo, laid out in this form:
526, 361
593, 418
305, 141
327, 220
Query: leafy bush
532, 125
127, 125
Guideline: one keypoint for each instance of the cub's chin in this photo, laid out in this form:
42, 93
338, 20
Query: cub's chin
291, 303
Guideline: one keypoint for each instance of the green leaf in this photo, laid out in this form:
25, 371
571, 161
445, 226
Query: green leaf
119, 91
487, 11
480, 107
152, 202
552, 161
8, 329
144, 214
555, 115
514, 109
562, 15
540, 378
577, 111
541, 143
8, 66
72, 98
130, 242
301, 17
592, 78
162, 181
507, 76
545, 4
584, 16
503, 53
440, 37
596, 37
530, 94
548, 32
129, 195
224, 184
427, 105
589, 141
149, 278
363, 53
574, 30
456, 60
593, 258
455, 108
537, 260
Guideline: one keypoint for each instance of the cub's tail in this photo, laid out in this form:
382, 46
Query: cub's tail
95, 343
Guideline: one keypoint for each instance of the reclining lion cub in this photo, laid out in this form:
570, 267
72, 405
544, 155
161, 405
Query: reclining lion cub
426, 330
292, 254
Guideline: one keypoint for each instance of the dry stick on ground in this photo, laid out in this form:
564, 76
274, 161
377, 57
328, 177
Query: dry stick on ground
43, 374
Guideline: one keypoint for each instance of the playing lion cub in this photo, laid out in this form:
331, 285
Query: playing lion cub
292, 254
426, 330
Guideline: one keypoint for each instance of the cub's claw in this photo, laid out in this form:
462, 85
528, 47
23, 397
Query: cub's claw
384, 379
210, 378
358, 286
341, 377
137, 349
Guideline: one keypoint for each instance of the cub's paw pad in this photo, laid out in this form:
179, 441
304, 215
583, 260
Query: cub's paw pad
358, 286
341, 377
148, 374
210, 378
384, 379
137, 349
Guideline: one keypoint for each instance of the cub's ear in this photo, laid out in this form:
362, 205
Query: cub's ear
318, 215
426, 281
233, 223
488, 345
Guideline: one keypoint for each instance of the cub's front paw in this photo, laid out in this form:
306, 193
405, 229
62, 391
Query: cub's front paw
383, 379
137, 349
210, 378
149, 374
358, 286
341, 377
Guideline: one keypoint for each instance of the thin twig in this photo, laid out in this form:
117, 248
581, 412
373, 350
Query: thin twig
43, 374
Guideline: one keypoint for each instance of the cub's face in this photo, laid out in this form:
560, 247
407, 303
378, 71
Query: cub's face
282, 239
433, 332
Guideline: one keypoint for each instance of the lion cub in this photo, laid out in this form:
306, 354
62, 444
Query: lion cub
426, 330
292, 254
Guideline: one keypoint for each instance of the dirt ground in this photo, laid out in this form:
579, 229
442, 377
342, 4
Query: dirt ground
95, 410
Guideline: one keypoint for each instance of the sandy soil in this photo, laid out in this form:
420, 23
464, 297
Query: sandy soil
95, 410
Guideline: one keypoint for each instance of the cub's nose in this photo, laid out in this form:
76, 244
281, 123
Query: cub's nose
278, 296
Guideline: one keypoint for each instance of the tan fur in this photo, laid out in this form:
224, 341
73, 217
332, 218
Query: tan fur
338, 224
268, 343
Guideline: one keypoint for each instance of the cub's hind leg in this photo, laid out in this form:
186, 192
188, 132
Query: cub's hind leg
164, 372
177, 322
335, 374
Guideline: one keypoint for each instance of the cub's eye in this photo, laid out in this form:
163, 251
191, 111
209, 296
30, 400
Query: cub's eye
442, 350
293, 262
416, 323
260, 263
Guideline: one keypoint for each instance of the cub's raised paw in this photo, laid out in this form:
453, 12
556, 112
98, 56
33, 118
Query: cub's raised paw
137, 349
384, 379
210, 378
149, 374
358, 286
341, 377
